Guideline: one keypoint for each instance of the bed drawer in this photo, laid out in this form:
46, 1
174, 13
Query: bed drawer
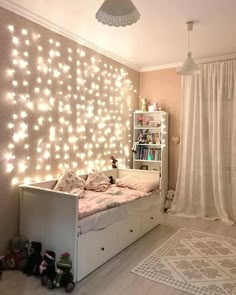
129, 231
94, 248
150, 219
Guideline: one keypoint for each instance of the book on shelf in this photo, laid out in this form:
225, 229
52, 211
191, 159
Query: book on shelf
148, 154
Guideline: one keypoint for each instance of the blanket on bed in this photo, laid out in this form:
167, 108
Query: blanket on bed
94, 202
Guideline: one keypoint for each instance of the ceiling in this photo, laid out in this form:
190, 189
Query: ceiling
159, 37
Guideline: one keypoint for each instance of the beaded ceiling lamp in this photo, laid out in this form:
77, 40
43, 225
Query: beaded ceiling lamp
118, 13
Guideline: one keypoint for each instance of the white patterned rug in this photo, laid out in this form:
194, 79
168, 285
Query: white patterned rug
194, 262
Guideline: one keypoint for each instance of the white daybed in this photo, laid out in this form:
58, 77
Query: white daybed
51, 217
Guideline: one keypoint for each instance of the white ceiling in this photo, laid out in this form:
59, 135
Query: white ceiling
159, 38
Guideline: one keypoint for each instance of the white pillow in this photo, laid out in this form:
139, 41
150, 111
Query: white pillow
140, 184
97, 181
69, 182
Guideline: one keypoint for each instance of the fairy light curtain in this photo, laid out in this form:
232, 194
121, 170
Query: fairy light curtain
64, 105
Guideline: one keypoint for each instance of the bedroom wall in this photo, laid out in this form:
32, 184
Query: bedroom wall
61, 105
164, 87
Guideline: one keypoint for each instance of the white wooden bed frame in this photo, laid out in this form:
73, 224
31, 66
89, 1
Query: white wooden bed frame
51, 217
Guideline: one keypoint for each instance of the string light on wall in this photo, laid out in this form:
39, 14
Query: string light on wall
69, 108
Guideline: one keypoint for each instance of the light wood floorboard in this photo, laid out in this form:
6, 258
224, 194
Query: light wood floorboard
114, 277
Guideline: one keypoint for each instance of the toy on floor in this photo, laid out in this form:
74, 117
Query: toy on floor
64, 277
47, 268
34, 260
17, 254
169, 199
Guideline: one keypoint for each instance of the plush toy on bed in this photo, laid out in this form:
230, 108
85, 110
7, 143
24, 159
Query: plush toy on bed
47, 268
64, 277
112, 180
17, 254
34, 260
114, 162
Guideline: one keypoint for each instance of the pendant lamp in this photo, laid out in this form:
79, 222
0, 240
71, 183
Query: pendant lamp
118, 13
189, 66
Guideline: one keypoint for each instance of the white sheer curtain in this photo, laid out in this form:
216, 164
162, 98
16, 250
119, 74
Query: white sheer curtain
206, 185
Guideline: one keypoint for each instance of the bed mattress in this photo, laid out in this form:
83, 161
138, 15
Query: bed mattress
114, 196
103, 219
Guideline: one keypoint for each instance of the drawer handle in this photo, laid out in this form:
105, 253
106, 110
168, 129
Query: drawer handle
151, 217
131, 230
102, 248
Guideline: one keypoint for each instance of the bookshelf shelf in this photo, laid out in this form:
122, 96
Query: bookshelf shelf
150, 137
138, 160
150, 144
148, 127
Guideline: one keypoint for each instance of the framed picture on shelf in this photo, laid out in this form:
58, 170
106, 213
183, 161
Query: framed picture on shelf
144, 167
156, 138
147, 121
155, 124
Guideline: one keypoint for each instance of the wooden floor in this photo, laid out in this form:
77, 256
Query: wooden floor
114, 277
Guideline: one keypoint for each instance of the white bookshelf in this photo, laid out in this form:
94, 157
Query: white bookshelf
153, 152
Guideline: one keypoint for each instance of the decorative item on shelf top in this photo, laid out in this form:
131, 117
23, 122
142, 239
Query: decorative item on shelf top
144, 104
114, 162
151, 108
154, 107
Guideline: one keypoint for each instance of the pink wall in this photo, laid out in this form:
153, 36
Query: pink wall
164, 87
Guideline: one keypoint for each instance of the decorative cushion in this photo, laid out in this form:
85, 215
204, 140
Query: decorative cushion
140, 184
69, 182
97, 181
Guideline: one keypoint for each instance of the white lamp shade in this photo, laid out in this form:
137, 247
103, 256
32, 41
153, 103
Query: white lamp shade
189, 66
118, 13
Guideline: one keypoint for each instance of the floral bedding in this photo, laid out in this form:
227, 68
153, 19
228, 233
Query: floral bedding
94, 202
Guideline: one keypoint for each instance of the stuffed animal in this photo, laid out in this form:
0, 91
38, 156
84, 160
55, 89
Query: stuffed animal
47, 269
64, 277
169, 199
17, 254
34, 260
112, 180
113, 162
